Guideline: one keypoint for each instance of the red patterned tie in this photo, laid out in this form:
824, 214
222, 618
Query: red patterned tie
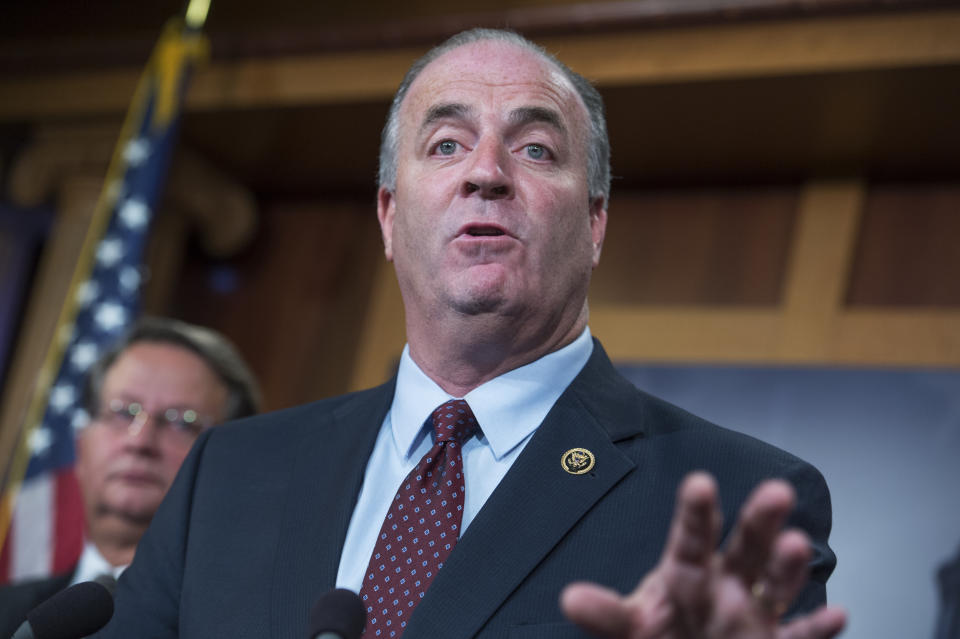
421, 528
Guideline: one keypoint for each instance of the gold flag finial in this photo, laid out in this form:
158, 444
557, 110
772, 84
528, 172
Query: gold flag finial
197, 13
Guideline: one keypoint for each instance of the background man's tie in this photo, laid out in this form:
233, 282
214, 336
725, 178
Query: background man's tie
421, 528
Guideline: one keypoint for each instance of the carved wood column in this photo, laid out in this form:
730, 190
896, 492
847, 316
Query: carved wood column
76, 197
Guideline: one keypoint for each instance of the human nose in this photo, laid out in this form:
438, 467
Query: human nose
488, 173
137, 432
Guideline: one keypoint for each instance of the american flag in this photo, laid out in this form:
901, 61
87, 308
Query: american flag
45, 532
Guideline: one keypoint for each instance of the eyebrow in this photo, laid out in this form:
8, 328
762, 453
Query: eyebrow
445, 111
531, 115
518, 117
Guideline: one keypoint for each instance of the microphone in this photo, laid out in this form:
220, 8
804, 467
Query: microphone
106, 580
80, 610
338, 614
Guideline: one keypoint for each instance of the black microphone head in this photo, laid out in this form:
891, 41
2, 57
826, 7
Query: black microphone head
106, 580
339, 612
78, 611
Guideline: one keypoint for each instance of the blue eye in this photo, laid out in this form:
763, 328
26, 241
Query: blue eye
447, 147
536, 152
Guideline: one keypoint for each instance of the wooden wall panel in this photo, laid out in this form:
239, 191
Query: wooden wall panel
709, 246
908, 252
293, 303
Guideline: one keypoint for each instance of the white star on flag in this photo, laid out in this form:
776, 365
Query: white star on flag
110, 251
83, 356
137, 151
62, 397
80, 419
87, 292
134, 213
110, 316
129, 279
41, 439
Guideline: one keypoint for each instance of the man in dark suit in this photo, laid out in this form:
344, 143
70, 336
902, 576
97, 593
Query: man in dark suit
540, 466
149, 397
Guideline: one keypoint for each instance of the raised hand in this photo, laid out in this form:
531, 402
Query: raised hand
698, 592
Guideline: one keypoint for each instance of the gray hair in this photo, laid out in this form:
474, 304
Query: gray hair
598, 151
243, 393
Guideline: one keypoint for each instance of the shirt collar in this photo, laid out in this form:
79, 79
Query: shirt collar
508, 408
92, 564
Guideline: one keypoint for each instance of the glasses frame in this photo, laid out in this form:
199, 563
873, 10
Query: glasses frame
186, 423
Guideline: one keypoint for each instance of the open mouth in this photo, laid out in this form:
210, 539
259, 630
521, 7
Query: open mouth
484, 231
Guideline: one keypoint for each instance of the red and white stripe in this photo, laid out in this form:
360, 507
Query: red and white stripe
46, 532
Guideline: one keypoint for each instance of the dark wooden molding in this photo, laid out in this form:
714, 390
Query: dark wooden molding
83, 48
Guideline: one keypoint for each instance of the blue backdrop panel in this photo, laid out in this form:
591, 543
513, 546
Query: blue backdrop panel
888, 443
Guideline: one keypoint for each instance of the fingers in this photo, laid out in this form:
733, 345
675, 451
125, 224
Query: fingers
696, 522
788, 567
749, 585
681, 579
823, 623
600, 611
755, 532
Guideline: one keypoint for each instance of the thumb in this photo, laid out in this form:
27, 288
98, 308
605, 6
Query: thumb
598, 610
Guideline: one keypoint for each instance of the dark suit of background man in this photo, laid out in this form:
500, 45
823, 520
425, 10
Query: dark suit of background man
948, 620
149, 397
493, 207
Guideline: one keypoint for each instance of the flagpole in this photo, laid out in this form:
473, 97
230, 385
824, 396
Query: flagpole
196, 14
162, 80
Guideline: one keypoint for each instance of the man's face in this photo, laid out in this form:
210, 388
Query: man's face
491, 212
124, 465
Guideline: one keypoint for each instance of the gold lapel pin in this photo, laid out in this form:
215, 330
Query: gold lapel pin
578, 461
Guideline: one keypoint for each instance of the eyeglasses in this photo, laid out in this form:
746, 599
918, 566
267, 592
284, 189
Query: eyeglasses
184, 424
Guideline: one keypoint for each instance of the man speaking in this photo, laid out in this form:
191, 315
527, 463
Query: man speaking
507, 459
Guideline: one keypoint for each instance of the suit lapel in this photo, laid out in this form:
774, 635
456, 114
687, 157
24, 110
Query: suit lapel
530, 511
323, 488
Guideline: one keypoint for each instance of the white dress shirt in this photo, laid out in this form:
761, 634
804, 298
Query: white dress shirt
92, 564
508, 409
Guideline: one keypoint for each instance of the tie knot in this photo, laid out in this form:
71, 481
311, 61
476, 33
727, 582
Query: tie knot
454, 421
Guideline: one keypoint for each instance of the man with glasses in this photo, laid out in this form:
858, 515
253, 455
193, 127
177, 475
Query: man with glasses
148, 398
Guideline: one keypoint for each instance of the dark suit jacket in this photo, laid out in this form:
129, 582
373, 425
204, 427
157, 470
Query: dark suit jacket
251, 532
16, 600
